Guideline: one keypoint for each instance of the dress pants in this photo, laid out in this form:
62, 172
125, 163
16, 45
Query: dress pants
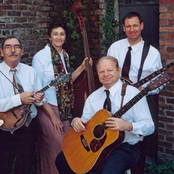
150, 142
17, 151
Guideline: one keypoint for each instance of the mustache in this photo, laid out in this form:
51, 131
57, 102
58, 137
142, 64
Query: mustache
12, 54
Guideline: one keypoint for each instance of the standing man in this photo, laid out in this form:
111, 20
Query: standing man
17, 150
133, 26
136, 122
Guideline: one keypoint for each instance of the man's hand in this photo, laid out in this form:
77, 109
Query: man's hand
27, 97
39, 96
118, 124
78, 124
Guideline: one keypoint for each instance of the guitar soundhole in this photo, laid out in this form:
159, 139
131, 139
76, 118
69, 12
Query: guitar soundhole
99, 138
99, 132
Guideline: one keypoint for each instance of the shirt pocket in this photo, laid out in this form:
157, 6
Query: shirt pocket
29, 88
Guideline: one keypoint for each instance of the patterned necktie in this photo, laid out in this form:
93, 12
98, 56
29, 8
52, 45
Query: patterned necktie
107, 103
127, 62
16, 84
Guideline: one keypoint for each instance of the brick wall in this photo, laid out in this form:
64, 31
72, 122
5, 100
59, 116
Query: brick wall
28, 20
166, 116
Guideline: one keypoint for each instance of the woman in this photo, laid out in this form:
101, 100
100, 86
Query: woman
49, 63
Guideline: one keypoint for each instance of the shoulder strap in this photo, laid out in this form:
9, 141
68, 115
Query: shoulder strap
144, 55
123, 91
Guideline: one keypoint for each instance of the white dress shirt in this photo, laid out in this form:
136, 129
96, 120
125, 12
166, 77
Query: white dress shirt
139, 115
28, 80
42, 63
152, 62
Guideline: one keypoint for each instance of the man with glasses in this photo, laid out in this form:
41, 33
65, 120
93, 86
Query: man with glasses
17, 149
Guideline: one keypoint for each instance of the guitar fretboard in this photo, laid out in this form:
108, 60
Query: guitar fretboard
151, 76
45, 88
133, 101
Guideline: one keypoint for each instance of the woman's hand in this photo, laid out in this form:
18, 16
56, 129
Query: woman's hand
57, 124
83, 65
80, 69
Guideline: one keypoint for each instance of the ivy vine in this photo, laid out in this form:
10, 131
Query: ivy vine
109, 25
73, 37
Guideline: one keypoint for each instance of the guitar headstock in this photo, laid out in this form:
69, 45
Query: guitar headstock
159, 81
60, 78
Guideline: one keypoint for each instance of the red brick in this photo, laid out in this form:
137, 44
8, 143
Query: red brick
171, 22
166, 29
9, 7
166, 16
165, 2
167, 42
163, 9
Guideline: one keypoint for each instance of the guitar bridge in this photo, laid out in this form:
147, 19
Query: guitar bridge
84, 143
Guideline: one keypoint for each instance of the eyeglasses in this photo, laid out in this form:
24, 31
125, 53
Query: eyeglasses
9, 47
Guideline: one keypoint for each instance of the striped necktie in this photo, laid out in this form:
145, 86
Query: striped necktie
16, 84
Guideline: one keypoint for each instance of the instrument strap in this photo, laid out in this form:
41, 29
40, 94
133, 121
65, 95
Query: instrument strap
123, 91
144, 55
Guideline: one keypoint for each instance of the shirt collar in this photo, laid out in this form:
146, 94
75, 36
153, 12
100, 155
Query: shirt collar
134, 47
9, 68
114, 89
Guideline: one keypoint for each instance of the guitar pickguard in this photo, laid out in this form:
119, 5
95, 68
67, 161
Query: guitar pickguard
95, 145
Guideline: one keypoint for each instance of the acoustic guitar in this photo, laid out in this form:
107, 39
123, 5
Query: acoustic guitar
87, 151
17, 117
149, 77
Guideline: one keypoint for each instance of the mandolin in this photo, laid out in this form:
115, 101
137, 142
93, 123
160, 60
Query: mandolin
87, 151
17, 117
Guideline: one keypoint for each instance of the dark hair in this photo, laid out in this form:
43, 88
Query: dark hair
131, 15
10, 37
56, 24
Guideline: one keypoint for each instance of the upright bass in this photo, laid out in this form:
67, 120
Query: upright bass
85, 84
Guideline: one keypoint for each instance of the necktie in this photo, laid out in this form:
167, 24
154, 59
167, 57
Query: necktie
107, 103
16, 84
127, 62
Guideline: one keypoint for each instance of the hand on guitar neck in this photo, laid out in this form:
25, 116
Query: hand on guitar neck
29, 98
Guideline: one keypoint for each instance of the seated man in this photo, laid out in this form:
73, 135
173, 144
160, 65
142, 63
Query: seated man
136, 122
